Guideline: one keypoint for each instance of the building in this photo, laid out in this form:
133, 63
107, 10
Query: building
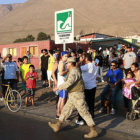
109, 42
18, 50
93, 36
135, 39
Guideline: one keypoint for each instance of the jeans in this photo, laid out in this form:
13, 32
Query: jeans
12, 82
101, 72
113, 95
90, 99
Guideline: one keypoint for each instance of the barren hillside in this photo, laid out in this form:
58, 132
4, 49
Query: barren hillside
113, 17
6, 8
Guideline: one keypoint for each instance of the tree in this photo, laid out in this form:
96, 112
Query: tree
43, 36
18, 40
27, 39
30, 38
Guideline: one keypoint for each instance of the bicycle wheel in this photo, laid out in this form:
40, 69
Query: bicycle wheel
14, 100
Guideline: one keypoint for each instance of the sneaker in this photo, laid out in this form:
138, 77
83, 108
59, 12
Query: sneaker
101, 110
57, 117
113, 112
79, 122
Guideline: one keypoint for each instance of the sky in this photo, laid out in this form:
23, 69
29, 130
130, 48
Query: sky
11, 1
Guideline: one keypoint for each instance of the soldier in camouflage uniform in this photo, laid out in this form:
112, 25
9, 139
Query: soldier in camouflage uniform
75, 87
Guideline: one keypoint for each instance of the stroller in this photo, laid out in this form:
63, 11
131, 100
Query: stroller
135, 111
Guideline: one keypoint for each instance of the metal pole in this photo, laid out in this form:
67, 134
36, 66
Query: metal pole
64, 46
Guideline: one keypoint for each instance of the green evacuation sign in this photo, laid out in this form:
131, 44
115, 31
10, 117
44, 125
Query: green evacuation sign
64, 32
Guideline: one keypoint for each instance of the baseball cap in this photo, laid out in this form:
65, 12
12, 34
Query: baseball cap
63, 53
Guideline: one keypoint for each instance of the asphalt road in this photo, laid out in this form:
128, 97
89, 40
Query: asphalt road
13, 127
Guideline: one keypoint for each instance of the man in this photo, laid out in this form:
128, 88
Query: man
75, 87
51, 62
128, 59
11, 72
44, 67
56, 54
99, 62
80, 52
73, 54
114, 77
89, 75
1, 74
1, 69
29, 55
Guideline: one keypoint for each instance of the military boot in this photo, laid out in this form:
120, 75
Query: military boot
92, 133
56, 126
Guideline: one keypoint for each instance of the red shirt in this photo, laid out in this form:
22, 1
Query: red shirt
31, 82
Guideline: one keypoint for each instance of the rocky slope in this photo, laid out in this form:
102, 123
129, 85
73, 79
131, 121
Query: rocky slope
113, 17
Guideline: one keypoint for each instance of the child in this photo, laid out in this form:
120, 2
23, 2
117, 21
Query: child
24, 68
127, 90
30, 77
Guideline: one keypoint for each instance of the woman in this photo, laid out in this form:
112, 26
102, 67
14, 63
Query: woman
136, 71
62, 71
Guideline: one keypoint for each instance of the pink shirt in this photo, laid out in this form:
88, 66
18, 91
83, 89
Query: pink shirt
127, 91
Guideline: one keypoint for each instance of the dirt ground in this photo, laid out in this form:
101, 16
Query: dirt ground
46, 95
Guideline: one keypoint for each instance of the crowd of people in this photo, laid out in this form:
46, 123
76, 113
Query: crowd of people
74, 75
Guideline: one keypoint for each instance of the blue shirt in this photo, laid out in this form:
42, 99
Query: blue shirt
113, 79
10, 69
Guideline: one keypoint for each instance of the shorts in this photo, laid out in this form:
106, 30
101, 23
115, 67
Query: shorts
30, 92
44, 74
24, 86
63, 94
49, 73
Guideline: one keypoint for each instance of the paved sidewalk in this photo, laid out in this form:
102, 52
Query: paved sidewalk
46, 108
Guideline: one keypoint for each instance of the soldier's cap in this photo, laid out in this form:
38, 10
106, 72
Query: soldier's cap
71, 59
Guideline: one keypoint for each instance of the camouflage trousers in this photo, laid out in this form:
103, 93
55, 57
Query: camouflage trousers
76, 100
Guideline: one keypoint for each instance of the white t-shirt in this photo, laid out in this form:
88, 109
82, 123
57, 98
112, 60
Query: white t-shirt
107, 51
128, 59
89, 74
60, 77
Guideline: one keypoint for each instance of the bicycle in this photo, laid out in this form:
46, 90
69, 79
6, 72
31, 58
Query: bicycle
12, 98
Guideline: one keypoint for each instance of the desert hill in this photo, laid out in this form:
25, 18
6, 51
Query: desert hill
6, 8
113, 17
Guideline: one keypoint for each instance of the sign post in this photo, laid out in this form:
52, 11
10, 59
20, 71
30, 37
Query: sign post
64, 27
64, 46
